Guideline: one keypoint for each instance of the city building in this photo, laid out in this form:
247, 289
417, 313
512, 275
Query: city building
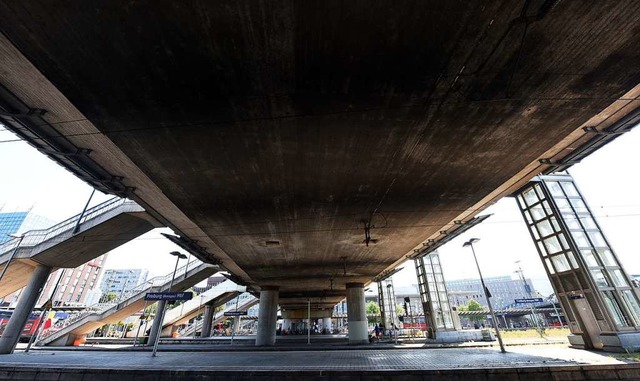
212, 281
73, 285
122, 280
20, 222
504, 291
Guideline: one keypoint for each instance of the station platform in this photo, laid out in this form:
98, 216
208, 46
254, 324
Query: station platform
370, 363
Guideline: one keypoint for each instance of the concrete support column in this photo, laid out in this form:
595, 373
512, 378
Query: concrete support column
357, 314
267, 317
157, 324
207, 319
326, 324
23, 309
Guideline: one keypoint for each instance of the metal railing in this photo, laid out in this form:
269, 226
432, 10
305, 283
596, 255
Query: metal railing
136, 292
247, 303
35, 237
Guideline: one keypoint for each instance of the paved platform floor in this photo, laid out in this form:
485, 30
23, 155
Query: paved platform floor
371, 359
373, 363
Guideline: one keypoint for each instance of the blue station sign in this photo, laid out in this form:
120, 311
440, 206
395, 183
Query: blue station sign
168, 296
528, 300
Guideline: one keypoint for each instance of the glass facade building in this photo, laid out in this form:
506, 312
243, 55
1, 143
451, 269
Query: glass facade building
20, 222
122, 280
10, 224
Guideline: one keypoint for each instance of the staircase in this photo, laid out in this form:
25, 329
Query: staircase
90, 319
74, 241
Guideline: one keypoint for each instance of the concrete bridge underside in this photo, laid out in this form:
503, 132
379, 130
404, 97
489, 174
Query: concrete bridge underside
307, 145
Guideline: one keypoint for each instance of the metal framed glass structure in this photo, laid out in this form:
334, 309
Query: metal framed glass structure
592, 287
387, 299
433, 294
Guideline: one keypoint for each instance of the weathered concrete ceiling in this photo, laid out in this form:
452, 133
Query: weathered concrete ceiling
281, 129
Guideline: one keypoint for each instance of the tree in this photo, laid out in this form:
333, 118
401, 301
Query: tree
473, 306
109, 296
373, 312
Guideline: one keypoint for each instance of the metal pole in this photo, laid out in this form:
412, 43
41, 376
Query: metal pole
36, 332
308, 321
173, 277
392, 314
411, 321
77, 227
555, 309
527, 289
486, 294
135, 340
157, 338
195, 321
13, 253
186, 269
233, 329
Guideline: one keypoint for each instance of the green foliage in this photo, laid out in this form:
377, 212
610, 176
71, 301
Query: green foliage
373, 308
109, 296
151, 309
473, 306
373, 312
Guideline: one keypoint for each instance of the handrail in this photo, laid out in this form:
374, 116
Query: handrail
35, 237
102, 307
197, 323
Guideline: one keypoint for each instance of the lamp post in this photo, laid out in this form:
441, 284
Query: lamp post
143, 316
391, 311
178, 256
13, 253
470, 243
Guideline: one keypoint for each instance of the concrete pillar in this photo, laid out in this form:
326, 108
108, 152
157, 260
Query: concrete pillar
157, 324
207, 319
357, 314
23, 309
267, 317
326, 324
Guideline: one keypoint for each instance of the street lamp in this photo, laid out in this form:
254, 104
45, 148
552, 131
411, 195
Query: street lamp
178, 256
470, 243
13, 253
391, 312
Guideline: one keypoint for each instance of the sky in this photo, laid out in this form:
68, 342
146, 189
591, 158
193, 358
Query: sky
609, 180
